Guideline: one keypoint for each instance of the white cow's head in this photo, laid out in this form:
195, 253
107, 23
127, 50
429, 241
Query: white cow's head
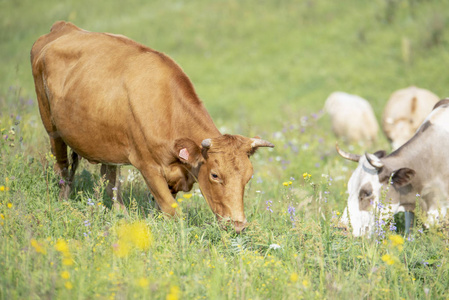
374, 191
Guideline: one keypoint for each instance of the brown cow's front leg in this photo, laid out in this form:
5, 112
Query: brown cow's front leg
159, 189
110, 173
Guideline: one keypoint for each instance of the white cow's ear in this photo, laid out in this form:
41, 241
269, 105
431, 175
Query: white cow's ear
380, 153
188, 152
402, 177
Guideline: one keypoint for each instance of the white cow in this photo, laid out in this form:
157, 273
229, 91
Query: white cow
352, 117
416, 171
404, 112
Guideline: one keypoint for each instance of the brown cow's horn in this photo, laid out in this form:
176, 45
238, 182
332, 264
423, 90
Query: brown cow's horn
260, 143
207, 143
349, 156
374, 160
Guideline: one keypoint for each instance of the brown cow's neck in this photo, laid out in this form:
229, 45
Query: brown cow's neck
191, 118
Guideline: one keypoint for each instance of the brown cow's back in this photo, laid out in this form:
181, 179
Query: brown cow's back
100, 74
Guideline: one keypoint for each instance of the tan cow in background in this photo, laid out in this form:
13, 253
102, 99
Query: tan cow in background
404, 112
117, 102
352, 117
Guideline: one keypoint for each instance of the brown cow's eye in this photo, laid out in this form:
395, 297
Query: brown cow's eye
214, 176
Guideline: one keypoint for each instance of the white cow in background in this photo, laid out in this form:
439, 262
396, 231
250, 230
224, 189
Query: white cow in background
352, 117
404, 112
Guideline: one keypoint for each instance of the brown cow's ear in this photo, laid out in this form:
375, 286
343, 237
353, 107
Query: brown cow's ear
188, 152
402, 177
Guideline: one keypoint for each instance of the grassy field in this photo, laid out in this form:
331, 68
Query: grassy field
262, 68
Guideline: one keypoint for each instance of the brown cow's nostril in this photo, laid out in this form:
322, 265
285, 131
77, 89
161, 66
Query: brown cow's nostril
240, 226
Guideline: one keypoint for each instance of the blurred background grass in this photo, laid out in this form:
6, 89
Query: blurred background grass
257, 63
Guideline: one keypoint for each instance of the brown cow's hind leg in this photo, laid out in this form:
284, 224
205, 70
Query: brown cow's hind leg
113, 187
59, 150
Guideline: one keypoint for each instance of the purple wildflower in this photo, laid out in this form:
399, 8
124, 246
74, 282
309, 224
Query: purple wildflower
269, 204
292, 213
393, 227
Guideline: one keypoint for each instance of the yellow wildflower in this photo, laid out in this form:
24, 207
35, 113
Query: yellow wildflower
2, 188
140, 235
388, 259
2, 216
62, 246
294, 277
130, 236
38, 247
174, 205
180, 200
65, 274
173, 294
143, 282
68, 285
9, 205
121, 249
306, 175
187, 196
285, 183
305, 283
290, 183
396, 240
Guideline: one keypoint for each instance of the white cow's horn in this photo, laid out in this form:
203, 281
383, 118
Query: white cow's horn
260, 143
206, 143
349, 156
374, 160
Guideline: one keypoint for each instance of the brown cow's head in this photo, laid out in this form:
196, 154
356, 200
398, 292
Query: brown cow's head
224, 170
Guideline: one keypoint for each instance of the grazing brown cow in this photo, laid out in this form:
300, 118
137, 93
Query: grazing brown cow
116, 102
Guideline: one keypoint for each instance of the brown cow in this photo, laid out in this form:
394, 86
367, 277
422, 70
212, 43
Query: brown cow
116, 102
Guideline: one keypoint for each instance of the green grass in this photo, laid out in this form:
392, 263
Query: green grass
262, 68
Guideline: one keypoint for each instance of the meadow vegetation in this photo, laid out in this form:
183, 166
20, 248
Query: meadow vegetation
262, 68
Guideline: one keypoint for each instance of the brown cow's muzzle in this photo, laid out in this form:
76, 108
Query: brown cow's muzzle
227, 223
240, 226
